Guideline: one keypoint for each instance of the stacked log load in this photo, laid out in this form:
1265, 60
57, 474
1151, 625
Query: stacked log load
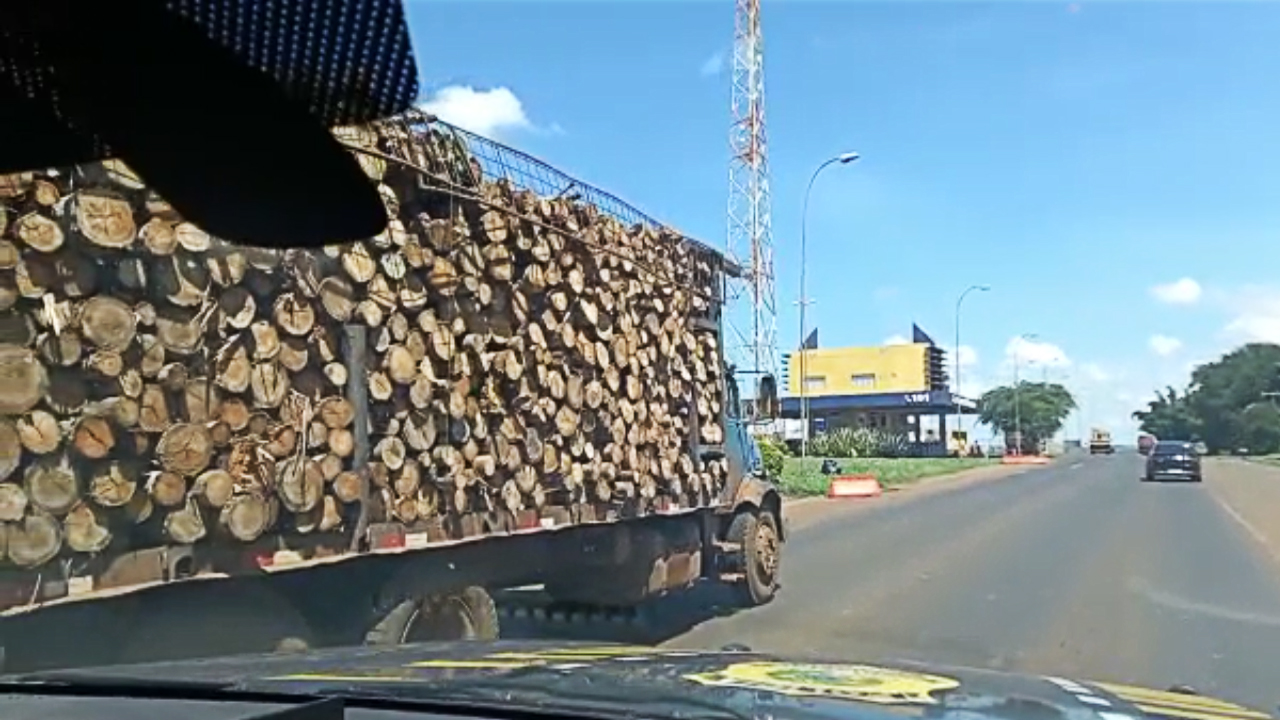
495, 350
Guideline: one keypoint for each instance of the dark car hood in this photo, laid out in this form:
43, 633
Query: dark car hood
670, 683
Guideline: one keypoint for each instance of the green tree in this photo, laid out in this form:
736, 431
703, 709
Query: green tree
1260, 427
1038, 408
1222, 390
1232, 402
1169, 416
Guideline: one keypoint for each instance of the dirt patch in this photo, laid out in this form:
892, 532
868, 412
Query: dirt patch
800, 513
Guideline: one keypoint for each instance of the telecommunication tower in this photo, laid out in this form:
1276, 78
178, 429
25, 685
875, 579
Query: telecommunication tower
752, 312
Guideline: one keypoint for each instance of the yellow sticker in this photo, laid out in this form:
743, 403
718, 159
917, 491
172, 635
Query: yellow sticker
863, 683
579, 653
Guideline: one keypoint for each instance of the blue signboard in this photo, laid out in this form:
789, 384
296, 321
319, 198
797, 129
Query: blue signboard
820, 424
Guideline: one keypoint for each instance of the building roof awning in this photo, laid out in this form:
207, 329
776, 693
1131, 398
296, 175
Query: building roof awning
935, 401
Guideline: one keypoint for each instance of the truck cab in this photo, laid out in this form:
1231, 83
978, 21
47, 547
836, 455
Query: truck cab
752, 528
741, 449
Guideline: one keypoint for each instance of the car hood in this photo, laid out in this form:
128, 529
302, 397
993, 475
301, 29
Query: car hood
669, 683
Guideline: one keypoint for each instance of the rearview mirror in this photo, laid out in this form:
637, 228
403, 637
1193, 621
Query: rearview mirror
767, 398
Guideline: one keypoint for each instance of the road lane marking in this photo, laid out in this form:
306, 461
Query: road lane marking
1253, 532
1185, 605
1076, 466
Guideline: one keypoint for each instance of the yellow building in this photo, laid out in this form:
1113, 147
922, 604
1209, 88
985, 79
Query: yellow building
860, 370
888, 386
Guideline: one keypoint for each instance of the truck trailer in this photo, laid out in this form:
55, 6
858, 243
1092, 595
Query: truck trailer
208, 449
1146, 441
1100, 442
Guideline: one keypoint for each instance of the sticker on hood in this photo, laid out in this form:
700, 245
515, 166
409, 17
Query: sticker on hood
862, 683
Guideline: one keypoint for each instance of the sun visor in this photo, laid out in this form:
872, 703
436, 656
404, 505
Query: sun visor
222, 106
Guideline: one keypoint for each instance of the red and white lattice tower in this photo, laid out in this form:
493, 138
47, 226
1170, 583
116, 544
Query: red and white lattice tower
752, 314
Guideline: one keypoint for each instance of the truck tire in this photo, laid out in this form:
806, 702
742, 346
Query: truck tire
757, 534
468, 614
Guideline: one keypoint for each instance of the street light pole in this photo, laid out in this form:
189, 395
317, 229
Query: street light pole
1017, 405
843, 159
959, 301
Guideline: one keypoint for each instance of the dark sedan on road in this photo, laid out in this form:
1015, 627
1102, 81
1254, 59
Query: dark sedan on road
1173, 460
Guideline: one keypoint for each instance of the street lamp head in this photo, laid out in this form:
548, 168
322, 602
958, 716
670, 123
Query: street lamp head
983, 288
846, 158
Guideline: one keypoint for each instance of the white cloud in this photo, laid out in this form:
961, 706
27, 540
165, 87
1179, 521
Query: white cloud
1034, 352
1256, 316
896, 340
1163, 345
489, 112
968, 356
1180, 292
712, 66
1094, 372
885, 293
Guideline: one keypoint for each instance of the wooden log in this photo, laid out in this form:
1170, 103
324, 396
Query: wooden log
299, 484
84, 531
246, 517
38, 432
294, 314
108, 323
39, 232
214, 488
113, 485
185, 525
13, 502
23, 380
33, 540
93, 437
185, 448
51, 484
269, 383
104, 219
10, 448
167, 489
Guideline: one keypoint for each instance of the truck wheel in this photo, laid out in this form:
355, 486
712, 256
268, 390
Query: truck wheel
466, 615
757, 535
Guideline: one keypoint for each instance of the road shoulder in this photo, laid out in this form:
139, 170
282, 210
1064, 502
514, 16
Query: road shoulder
1249, 494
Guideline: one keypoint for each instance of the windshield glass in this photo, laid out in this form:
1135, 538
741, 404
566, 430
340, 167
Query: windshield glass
973, 252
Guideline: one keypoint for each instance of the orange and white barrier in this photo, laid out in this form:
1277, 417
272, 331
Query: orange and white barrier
1024, 460
854, 486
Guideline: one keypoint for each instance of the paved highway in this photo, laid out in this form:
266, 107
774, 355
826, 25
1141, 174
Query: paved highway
1076, 569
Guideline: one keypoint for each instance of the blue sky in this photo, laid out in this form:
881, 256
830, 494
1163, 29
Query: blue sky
1110, 169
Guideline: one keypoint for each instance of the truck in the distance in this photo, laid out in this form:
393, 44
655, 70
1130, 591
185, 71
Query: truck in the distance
1100, 442
208, 449
1146, 441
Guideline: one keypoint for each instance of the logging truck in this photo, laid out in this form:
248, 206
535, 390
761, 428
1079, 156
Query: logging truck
206, 448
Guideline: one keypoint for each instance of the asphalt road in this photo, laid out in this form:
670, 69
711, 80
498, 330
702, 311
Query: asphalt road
1075, 569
